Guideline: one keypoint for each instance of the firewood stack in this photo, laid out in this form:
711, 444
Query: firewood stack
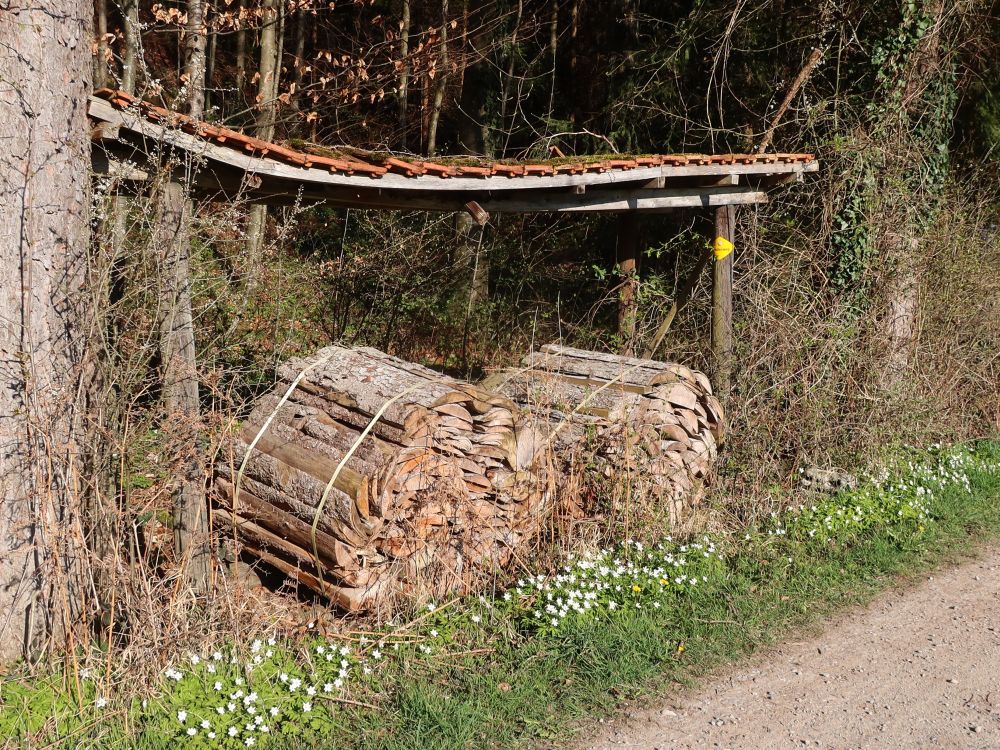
612, 414
439, 494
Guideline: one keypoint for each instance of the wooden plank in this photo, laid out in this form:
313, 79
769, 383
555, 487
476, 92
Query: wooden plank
620, 201
526, 201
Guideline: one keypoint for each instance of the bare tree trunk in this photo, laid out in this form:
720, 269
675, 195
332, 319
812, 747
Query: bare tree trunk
279, 54
267, 92
45, 364
101, 58
471, 261
213, 43
404, 72
241, 62
177, 352
574, 30
553, 50
130, 57
508, 81
194, 58
300, 54
442, 82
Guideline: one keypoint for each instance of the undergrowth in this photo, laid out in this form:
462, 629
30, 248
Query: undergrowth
523, 665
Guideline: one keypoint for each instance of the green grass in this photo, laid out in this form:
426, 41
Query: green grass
592, 667
528, 683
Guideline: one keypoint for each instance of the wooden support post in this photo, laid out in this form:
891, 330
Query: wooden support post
628, 263
722, 298
180, 384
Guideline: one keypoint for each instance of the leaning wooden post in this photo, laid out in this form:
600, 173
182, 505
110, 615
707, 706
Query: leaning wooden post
628, 254
722, 298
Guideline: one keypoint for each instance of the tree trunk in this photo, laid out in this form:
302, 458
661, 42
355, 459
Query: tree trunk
903, 242
904, 305
101, 58
471, 261
441, 83
404, 71
267, 92
508, 81
194, 58
45, 366
241, 62
213, 43
553, 52
130, 55
300, 57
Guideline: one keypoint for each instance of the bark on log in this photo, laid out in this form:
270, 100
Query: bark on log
608, 414
438, 495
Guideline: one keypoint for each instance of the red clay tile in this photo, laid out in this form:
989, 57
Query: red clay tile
350, 165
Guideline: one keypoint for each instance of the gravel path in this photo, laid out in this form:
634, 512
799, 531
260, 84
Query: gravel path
919, 668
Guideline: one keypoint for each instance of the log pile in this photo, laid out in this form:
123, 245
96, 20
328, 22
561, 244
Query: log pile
612, 414
439, 494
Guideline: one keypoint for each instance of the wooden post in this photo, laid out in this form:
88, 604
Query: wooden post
172, 239
628, 255
722, 298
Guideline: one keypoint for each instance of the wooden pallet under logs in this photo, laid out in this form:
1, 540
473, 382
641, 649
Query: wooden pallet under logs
374, 478
613, 414
438, 494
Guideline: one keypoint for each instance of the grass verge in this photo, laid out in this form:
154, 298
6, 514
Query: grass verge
527, 666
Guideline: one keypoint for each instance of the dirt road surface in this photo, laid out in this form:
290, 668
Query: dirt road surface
919, 668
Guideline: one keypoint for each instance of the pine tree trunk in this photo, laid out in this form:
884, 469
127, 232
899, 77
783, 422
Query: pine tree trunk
45, 70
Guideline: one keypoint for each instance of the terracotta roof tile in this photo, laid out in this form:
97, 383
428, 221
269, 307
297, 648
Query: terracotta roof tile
412, 168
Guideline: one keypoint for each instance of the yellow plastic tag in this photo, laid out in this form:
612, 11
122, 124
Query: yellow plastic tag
722, 247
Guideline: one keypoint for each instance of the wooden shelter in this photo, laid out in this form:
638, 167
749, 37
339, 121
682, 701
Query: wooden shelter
233, 165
